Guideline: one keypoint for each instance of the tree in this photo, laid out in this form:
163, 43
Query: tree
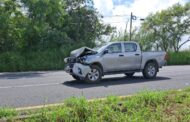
38, 34
12, 25
123, 35
84, 22
169, 26
145, 39
180, 25
55, 23
46, 20
46, 24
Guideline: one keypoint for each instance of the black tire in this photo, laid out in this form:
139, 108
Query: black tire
150, 70
77, 78
129, 74
96, 77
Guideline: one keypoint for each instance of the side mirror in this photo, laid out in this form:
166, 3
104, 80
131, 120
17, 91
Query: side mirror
105, 51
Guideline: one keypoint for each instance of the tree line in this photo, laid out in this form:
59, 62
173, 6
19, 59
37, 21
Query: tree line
164, 30
42, 24
45, 24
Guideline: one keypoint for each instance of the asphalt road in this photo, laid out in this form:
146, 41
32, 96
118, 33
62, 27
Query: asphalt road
38, 88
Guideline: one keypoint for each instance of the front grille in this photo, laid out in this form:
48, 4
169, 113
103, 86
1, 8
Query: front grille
71, 60
71, 65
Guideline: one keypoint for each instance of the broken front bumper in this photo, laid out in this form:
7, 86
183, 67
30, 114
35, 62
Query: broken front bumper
78, 69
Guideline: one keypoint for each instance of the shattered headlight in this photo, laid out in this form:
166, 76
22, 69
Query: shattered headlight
70, 60
66, 60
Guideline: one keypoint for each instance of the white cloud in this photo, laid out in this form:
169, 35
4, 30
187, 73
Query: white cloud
104, 6
145, 7
140, 8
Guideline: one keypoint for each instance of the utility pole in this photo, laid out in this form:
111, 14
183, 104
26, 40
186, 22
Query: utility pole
131, 21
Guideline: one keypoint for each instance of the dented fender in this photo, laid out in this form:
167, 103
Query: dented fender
81, 70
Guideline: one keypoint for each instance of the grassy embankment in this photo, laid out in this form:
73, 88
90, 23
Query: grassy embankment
147, 106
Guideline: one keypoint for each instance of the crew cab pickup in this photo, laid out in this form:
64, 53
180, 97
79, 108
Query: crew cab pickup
86, 64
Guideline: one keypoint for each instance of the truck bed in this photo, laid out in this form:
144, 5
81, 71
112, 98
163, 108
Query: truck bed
159, 56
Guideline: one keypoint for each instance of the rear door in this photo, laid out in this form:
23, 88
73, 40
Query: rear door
132, 56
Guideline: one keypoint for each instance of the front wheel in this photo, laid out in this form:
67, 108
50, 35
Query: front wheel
95, 75
150, 70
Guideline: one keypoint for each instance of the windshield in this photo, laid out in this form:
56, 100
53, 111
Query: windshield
100, 48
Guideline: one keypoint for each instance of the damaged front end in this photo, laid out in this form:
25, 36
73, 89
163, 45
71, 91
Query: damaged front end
77, 63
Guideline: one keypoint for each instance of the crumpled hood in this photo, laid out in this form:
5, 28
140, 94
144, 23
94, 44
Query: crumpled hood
82, 51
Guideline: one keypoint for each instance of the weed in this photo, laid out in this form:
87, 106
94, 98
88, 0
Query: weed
7, 112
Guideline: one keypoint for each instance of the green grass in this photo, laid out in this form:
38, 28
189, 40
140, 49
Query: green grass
147, 106
7, 112
180, 58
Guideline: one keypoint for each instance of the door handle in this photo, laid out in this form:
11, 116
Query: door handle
121, 55
137, 54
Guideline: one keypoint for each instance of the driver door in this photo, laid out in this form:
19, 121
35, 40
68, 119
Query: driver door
111, 60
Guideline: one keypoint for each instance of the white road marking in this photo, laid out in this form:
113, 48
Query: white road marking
31, 85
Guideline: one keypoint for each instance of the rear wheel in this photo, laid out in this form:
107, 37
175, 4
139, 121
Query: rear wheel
129, 74
150, 70
95, 75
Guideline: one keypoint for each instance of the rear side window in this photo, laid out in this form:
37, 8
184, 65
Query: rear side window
130, 47
115, 48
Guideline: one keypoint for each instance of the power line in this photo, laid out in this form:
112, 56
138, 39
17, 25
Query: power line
107, 16
116, 15
107, 22
117, 22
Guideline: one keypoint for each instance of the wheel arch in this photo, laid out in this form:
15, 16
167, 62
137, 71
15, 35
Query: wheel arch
153, 61
98, 64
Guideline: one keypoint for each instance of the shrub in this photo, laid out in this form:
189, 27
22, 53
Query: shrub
179, 58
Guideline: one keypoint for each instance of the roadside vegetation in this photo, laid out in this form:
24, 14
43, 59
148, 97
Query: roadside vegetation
32, 61
179, 58
7, 112
39, 34
146, 106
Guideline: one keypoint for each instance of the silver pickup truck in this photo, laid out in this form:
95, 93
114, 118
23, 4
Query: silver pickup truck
86, 64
